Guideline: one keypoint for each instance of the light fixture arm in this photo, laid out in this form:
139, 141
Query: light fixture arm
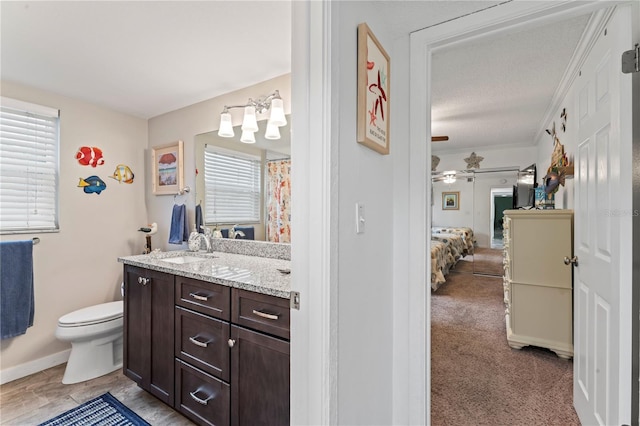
262, 104
277, 118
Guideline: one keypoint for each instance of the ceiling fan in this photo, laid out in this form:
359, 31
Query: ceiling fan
439, 138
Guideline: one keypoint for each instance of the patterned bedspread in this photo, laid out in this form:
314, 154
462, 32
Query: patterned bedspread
440, 255
455, 241
464, 232
448, 244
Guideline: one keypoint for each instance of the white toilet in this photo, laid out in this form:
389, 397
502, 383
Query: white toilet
95, 334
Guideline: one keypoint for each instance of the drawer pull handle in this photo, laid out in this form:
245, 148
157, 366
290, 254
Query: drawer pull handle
199, 297
198, 343
198, 400
265, 315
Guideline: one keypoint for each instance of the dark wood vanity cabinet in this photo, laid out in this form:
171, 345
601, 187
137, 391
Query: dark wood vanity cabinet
148, 316
260, 359
259, 378
218, 355
232, 355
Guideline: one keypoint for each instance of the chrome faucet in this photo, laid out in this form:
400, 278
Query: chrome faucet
233, 233
207, 238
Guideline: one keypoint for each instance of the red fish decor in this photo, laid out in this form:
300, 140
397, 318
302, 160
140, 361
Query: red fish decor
90, 156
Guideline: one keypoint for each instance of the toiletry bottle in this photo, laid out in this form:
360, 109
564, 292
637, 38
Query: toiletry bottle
194, 239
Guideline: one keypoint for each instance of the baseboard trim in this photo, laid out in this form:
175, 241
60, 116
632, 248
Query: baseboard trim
23, 370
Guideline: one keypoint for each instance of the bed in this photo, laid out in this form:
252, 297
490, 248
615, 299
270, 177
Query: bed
448, 245
455, 242
440, 263
464, 232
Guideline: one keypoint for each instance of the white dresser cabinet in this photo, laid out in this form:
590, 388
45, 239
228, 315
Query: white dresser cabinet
537, 283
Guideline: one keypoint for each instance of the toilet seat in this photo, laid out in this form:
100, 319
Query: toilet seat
96, 314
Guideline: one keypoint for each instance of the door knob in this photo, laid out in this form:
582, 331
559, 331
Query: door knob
568, 261
143, 280
231, 342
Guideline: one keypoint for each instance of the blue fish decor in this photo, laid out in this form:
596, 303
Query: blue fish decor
92, 184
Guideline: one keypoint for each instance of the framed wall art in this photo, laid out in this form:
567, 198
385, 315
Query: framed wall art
168, 169
373, 91
451, 200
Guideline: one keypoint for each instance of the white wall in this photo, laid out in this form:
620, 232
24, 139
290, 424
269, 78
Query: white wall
461, 217
519, 156
78, 267
475, 199
365, 270
184, 124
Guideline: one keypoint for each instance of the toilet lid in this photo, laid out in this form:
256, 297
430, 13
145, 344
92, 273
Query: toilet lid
93, 314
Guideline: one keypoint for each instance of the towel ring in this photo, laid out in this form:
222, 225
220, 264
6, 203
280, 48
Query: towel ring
182, 191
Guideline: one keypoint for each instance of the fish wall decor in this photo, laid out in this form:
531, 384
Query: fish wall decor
123, 174
89, 156
92, 184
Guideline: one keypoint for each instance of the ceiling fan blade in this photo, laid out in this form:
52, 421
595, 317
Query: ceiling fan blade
439, 138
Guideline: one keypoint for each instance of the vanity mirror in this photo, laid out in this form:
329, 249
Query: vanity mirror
246, 184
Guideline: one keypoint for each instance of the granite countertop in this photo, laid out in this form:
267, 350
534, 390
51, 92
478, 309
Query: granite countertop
257, 274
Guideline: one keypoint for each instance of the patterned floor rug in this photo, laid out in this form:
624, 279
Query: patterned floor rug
101, 411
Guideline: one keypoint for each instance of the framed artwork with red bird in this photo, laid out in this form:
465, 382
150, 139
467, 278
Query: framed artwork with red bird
373, 91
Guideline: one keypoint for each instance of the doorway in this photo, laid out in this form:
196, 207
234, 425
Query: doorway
422, 45
501, 200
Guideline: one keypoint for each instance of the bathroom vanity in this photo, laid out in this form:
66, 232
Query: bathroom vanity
208, 334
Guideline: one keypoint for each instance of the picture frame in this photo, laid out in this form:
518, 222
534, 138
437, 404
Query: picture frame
451, 200
167, 162
373, 92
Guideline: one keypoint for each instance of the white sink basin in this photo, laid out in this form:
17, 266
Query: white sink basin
181, 260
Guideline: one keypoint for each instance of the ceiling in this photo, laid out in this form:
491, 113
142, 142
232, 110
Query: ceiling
148, 58
145, 58
495, 91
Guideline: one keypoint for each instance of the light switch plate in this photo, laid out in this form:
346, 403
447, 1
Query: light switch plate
359, 218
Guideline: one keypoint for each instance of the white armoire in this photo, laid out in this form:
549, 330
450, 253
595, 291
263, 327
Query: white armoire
538, 288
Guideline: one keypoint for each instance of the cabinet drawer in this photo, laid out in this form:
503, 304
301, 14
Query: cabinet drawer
261, 312
207, 298
201, 397
203, 342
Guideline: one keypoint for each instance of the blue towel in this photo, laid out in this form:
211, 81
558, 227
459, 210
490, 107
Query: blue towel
179, 232
16, 287
199, 222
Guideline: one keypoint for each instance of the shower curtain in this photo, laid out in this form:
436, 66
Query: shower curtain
279, 202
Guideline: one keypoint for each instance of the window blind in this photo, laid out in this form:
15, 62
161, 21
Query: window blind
232, 187
29, 146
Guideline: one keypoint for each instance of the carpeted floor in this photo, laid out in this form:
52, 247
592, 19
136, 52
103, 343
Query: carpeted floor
488, 261
485, 261
476, 378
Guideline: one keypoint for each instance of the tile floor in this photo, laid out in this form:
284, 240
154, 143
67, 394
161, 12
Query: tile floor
41, 396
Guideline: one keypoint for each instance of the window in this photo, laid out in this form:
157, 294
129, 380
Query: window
232, 187
29, 141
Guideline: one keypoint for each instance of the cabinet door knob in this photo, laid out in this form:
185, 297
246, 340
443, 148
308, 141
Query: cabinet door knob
568, 261
143, 280
231, 342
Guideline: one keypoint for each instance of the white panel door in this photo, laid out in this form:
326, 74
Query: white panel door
597, 230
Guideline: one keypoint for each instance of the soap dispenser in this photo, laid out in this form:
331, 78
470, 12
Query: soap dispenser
194, 239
